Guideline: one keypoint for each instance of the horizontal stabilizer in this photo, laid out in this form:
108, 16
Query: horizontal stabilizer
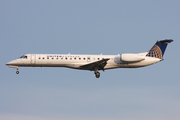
166, 41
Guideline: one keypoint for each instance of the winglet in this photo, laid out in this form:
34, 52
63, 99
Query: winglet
159, 48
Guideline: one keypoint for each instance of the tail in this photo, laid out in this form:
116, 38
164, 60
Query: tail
159, 48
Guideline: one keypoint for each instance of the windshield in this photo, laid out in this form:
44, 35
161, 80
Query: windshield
24, 57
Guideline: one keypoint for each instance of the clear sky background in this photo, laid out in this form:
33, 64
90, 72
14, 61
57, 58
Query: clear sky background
89, 27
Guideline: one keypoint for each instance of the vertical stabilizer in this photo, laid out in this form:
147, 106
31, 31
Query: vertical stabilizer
159, 48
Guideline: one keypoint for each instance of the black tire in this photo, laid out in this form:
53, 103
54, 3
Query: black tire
97, 75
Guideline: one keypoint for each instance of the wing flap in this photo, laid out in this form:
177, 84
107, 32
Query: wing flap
95, 65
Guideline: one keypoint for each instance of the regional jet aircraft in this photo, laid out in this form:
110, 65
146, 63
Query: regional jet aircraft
93, 62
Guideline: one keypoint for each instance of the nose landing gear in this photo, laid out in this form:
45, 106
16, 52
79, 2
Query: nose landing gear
11, 66
17, 72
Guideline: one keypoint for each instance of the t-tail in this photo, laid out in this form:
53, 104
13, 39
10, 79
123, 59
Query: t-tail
159, 48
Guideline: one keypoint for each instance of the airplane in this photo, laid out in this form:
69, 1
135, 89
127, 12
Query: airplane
93, 62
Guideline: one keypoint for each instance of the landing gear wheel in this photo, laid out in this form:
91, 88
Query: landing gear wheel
97, 74
17, 72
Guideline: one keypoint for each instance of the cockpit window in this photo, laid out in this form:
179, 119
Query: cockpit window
24, 57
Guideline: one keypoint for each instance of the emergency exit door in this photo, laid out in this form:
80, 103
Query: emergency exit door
88, 59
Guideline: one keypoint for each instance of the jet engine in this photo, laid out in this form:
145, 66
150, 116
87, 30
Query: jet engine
132, 57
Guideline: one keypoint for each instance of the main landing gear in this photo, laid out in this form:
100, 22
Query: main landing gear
97, 74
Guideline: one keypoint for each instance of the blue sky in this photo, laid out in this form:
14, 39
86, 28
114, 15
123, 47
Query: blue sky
89, 27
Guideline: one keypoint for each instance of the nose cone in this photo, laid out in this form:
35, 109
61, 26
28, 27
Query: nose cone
14, 62
8, 63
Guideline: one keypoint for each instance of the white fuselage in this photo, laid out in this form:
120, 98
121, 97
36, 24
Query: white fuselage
93, 62
76, 60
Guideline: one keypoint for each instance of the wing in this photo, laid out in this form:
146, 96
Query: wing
99, 65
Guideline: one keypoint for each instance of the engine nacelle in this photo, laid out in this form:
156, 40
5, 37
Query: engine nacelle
132, 57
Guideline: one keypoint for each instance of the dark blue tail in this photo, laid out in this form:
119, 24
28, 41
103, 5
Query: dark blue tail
159, 48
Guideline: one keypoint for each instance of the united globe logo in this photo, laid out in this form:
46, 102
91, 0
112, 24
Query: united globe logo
155, 52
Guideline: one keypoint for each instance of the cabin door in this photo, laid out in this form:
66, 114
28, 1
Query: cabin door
33, 59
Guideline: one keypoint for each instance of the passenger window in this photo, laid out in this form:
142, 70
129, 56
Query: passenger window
98, 58
52, 58
70, 58
66, 58
84, 58
39, 58
43, 58
61, 58
47, 57
57, 58
79, 58
75, 58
